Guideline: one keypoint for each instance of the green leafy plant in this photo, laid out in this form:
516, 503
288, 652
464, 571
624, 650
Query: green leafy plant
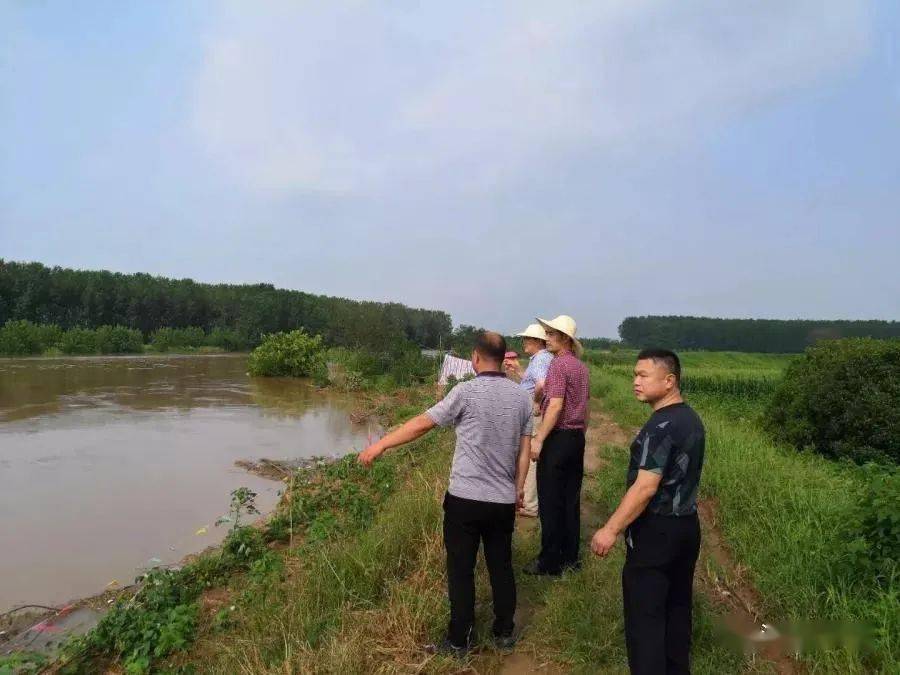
226, 339
118, 340
24, 338
22, 663
294, 354
78, 341
874, 536
243, 502
165, 339
841, 401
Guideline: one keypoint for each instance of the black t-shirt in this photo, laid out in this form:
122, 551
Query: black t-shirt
671, 443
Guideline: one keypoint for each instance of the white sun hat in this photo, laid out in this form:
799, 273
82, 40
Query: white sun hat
534, 330
566, 325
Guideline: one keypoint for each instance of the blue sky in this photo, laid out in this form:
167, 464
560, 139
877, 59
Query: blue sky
597, 159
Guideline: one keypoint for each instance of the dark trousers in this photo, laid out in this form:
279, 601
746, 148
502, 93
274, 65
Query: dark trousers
467, 523
657, 588
560, 470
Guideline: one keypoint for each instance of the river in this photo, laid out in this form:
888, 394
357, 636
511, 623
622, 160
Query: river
109, 465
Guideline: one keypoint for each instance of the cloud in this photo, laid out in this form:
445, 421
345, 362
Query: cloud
353, 98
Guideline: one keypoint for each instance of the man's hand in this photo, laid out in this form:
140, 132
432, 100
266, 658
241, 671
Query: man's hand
536, 449
536, 409
369, 455
513, 368
520, 499
603, 541
409, 431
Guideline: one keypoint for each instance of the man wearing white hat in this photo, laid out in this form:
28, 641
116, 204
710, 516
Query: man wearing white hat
534, 343
558, 447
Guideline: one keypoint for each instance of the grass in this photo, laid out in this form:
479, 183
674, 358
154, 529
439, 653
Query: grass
21, 663
348, 603
360, 587
784, 513
367, 602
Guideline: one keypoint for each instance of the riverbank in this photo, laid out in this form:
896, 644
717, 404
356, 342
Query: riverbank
366, 597
350, 577
361, 586
387, 595
322, 503
111, 465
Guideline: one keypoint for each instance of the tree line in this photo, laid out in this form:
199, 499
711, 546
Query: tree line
92, 298
745, 335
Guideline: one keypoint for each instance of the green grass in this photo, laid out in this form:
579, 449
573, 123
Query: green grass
21, 663
783, 513
705, 360
362, 588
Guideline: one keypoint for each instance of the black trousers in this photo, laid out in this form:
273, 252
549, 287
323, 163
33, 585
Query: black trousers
467, 523
657, 589
560, 470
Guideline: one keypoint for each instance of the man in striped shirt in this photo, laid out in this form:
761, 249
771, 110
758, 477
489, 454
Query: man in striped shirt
492, 416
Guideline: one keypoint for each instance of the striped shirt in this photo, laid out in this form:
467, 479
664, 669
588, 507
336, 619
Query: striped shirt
568, 379
491, 414
538, 365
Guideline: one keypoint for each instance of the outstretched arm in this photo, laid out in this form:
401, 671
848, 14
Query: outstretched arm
406, 433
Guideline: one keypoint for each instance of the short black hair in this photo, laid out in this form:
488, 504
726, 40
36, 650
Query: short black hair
665, 356
491, 346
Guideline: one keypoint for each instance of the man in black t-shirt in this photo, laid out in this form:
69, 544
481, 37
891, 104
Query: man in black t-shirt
658, 516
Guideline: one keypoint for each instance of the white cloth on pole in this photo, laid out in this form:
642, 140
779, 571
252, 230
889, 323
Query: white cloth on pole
456, 367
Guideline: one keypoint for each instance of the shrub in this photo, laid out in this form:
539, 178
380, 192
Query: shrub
23, 338
78, 341
227, 339
165, 339
841, 400
294, 354
407, 365
119, 340
403, 365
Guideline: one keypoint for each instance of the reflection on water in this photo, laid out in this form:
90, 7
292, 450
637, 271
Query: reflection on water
107, 463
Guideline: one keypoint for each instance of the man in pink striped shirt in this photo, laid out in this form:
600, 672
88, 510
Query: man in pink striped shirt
558, 448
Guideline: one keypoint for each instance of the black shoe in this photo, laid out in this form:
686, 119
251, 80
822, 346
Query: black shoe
534, 568
572, 566
447, 648
505, 642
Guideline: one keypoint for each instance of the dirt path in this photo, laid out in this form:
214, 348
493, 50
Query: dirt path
733, 592
601, 431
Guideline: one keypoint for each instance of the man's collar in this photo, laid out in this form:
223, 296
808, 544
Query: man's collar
491, 373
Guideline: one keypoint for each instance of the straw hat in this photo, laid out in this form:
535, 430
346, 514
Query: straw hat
534, 330
565, 325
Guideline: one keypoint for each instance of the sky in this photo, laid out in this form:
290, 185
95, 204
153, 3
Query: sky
499, 161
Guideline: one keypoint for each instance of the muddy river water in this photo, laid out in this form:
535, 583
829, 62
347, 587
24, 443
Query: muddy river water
109, 465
